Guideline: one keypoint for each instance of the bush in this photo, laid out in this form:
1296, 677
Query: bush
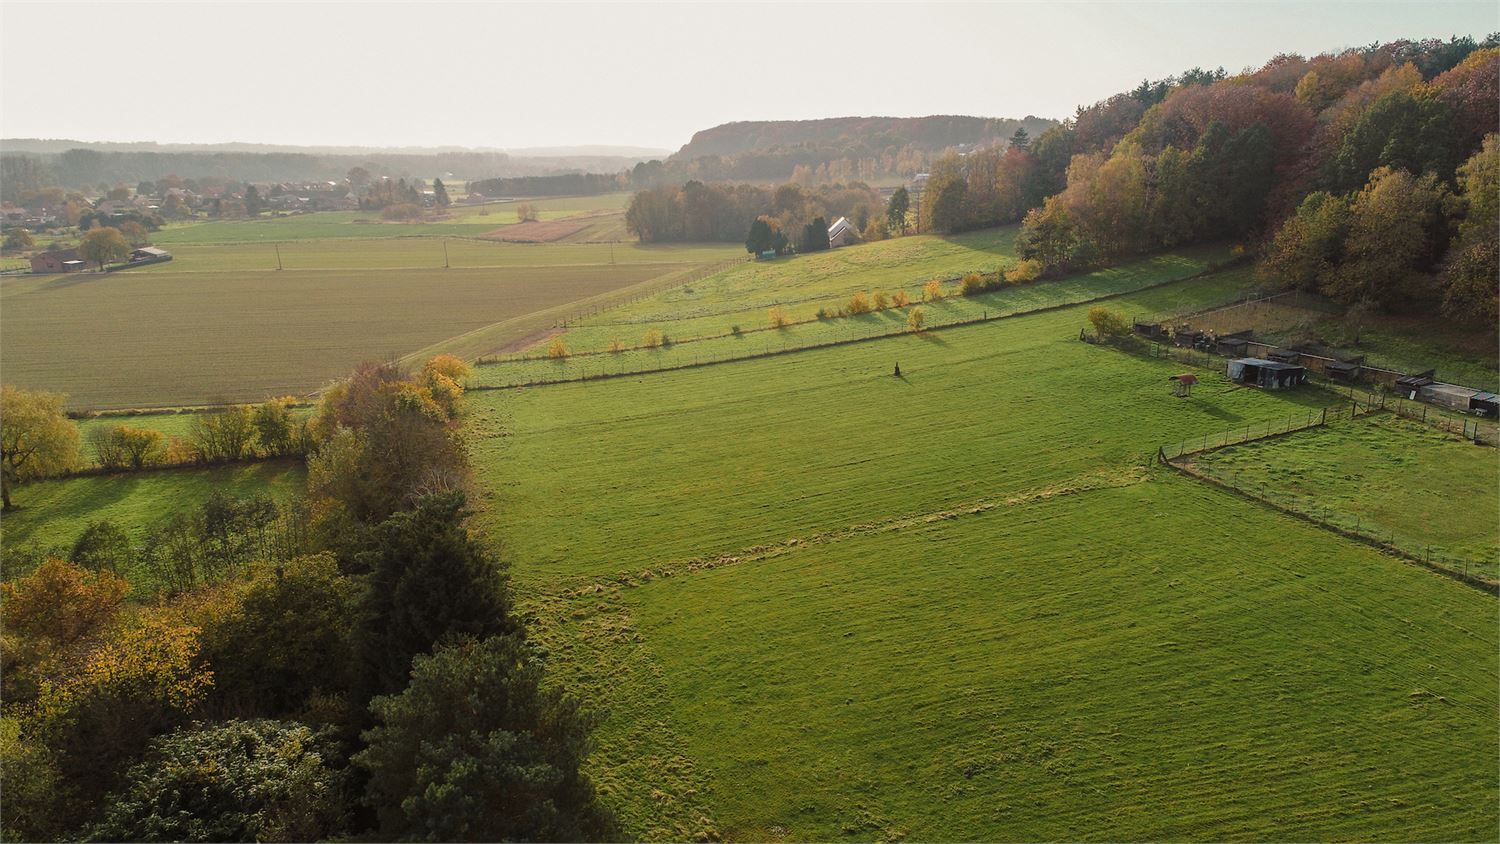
1108, 323
915, 320
231, 781
858, 304
651, 339
735, 330
558, 350
1028, 270
973, 283
900, 298
224, 435
778, 317
880, 301
616, 346
117, 447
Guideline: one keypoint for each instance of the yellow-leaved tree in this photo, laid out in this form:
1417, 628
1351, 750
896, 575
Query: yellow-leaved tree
36, 438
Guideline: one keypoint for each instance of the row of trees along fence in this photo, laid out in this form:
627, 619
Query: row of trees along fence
671, 355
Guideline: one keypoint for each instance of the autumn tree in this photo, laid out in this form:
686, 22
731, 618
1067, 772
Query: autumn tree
104, 245
36, 438
526, 213
915, 320
1393, 229
1309, 246
1108, 323
134, 233
223, 435
1473, 263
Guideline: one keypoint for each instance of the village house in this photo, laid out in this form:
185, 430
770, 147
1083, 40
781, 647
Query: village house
842, 233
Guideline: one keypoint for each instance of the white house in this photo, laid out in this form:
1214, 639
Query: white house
842, 233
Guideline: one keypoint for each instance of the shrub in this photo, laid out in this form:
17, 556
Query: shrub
558, 349
231, 781
826, 313
973, 283
778, 317
1108, 323
900, 298
933, 291
223, 435
108, 452
1027, 270
915, 320
880, 301
651, 339
735, 330
616, 346
858, 304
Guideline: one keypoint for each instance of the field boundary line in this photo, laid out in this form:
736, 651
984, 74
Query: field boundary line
904, 332
1482, 584
1103, 479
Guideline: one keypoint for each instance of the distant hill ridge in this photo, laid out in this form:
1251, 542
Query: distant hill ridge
934, 132
57, 145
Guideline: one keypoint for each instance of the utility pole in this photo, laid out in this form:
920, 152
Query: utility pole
278, 257
445, 253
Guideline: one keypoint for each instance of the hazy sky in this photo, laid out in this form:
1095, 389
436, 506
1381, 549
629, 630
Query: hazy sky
514, 75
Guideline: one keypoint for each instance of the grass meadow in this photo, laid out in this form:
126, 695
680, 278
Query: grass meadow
958, 604
1383, 475
52, 513
719, 343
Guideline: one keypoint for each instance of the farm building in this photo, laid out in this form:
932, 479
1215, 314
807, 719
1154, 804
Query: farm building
1186, 338
149, 254
1233, 344
1339, 370
1450, 396
1410, 385
61, 261
1484, 404
1266, 373
841, 233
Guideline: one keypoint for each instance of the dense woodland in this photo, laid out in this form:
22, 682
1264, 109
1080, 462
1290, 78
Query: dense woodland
699, 212
347, 665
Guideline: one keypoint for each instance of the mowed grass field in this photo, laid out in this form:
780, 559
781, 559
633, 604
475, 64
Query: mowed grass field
1382, 474
397, 253
138, 339
958, 604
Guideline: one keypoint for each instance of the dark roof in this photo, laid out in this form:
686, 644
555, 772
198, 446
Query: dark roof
1266, 364
1419, 380
1341, 366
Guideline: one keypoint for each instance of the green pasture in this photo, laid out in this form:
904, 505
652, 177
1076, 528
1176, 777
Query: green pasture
52, 513
140, 339
1385, 476
609, 476
959, 604
594, 333
1115, 663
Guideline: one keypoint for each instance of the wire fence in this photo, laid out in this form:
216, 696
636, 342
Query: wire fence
1253, 431
1480, 571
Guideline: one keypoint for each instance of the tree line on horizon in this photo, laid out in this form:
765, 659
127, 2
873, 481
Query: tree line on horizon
1367, 175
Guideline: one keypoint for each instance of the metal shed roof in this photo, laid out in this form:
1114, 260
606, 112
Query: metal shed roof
1267, 364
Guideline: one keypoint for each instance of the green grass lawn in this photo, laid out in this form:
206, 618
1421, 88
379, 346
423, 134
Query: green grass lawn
53, 513
1382, 474
957, 605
